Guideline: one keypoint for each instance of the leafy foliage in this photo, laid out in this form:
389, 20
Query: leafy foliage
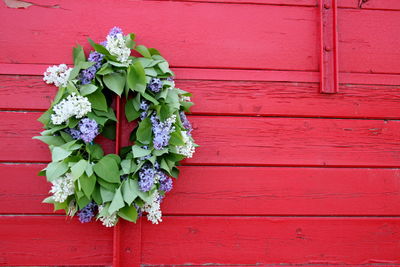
160, 139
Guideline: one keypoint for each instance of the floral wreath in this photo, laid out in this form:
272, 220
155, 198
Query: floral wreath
109, 187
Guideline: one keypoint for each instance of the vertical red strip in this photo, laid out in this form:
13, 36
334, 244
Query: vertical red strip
328, 48
116, 233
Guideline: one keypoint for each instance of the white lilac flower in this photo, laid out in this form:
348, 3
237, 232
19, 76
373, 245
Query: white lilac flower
57, 74
184, 99
153, 209
73, 105
62, 188
188, 149
117, 47
108, 220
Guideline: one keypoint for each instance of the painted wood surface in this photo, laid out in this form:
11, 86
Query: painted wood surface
239, 191
253, 98
247, 141
368, 45
201, 240
284, 175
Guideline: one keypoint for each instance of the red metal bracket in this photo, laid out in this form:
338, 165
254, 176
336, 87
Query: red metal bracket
329, 46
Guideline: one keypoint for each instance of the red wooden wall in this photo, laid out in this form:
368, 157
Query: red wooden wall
284, 174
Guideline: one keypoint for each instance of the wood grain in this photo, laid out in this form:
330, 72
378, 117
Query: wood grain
53, 240
365, 45
247, 141
251, 240
239, 191
239, 98
31, 240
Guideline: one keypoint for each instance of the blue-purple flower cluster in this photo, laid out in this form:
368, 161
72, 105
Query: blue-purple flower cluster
186, 123
114, 31
144, 105
88, 74
155, 85
87, 130
148, 175
87, 213
162, 131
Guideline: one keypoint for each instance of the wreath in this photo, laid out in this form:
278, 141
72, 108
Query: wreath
84, 180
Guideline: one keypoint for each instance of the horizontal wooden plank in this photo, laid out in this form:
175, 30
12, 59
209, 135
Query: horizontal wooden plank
247, 141
235, 75
239, 98
235, 240
264, 28
239, 191
50, 240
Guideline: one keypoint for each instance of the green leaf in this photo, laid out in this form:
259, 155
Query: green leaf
95, 151
97, 196
89, 169
164, 67
126, 166
106, 195
107, 169
165, 112
130, 112
136, 77
154, 51
139, 152
115, 82
59, 153
87, 89
101, 49
109, 114
60, 206
105, 69
45, 117
55, 170
150, 98
151, 72
49, 200
82, 202
87, 183
66, 137
117, 202
100, 120
130, 190
176, 139
98, 101
143, 133
109, 130
78, 169
78, 54
143, 51
128, 213
50, 140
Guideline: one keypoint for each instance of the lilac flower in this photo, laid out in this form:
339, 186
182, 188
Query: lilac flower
114, 31
76, 134
145, 157
138, 209
104, 43
144, 105
165, 182
86, 214
89, 129
97, 58
155, 85
185, 122
171, 79
87, 75
146, 177
162, 131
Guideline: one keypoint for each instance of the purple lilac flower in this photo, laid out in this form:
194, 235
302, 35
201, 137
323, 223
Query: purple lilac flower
171, 79
185, 122
86, 214
162, 132
144, 105
114, 31
89, 129
165, 182
76, 134
146, 177
155, 85
87, 75
97, 58
104, 43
